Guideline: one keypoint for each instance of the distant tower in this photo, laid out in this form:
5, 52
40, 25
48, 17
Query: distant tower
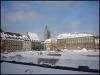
46, 33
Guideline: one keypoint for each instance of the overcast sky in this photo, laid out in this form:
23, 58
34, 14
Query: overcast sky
59, 16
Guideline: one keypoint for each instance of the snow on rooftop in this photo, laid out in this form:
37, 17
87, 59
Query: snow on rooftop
20, 37
13, 36
69, 35
33, 36
48, 41
25, 37
2, 35
54, 40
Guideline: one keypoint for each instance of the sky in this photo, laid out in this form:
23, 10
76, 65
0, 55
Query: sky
59, 16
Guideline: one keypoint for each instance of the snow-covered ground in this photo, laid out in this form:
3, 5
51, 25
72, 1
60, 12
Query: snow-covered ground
67, 58
8, 68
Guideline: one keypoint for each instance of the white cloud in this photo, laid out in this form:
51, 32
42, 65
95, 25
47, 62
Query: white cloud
72, 24
23, 16
21, 12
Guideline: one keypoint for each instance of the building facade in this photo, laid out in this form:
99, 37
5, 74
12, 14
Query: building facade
97, 42
26, 43
35, 43
51, 44
11, 45
14, 42
75, 41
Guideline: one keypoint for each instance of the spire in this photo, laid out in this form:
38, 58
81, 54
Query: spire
46, 33
46, 28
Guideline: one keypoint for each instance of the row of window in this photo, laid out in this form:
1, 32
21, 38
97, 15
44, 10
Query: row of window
15, 48
84, 38
82, 45
74, 41
27, 42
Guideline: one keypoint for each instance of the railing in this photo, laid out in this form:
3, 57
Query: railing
80, 68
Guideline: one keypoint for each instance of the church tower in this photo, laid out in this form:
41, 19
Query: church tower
46, 33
